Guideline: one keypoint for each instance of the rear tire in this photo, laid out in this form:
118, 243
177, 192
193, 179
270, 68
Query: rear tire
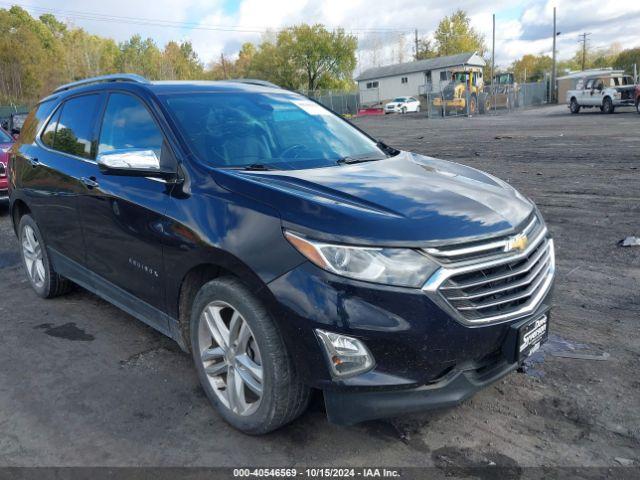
44, 280
269, 392
573, 106
638, 106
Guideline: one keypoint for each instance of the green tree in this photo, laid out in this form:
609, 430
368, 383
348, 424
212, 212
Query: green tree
245, 59
180, 61
627, 59
140, 56
324, 59
531, 68
425, 49
455, 34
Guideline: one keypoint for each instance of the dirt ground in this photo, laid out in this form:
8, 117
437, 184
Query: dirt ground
82, 383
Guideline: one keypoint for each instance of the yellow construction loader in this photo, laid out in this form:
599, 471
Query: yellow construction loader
466, 85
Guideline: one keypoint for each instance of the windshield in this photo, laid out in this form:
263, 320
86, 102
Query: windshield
460, 77
281, 130
399, 99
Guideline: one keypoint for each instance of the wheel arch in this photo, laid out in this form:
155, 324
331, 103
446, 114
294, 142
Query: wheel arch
19, 208
201, 273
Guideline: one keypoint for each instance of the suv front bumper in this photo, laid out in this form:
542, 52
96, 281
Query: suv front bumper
424, 358
348, 407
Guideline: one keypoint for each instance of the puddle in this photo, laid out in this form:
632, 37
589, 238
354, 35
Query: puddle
555, 344
68, 331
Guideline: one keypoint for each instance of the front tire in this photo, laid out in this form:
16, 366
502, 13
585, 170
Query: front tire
44, 280
242, 360
607, 106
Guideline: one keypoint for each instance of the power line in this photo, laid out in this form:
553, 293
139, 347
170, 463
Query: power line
92, 16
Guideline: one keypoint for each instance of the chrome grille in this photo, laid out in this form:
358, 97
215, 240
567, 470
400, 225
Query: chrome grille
483, 249
488, 282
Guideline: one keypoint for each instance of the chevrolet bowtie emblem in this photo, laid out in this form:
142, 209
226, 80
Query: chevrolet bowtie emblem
518, 242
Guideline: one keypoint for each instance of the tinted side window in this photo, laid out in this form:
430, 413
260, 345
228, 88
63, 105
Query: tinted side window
35, 120
75, 127
128, 124
49, 133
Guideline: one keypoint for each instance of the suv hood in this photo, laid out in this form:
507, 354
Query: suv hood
406, 200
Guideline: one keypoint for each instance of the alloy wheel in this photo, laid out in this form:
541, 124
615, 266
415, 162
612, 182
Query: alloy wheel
33, 259
231, 358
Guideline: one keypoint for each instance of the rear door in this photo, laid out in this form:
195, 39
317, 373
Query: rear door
123, 216
52, 172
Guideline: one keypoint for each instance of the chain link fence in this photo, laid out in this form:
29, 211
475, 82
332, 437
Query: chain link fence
343, 103
458, 99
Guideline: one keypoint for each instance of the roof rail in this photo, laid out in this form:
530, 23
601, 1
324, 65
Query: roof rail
116, 77
255, 81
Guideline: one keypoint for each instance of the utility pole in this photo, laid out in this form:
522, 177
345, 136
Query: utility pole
416, 40
493, 50
553, 69
584, 48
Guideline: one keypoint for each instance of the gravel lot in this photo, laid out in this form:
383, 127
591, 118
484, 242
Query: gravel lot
82, 383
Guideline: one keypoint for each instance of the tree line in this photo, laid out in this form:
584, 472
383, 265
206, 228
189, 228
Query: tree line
454, 34
532, 68
38, 54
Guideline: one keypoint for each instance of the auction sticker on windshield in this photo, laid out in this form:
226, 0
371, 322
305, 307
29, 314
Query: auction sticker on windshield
311, 108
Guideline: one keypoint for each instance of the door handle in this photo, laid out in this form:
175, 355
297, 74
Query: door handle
33, 161
90, 182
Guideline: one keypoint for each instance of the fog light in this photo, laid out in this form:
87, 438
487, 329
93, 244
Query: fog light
347, 356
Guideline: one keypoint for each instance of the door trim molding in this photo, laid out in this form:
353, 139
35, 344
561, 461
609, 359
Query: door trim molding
117, 296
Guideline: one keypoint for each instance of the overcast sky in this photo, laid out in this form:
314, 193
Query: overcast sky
382, 26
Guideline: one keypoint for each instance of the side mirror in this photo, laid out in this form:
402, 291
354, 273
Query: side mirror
133, 162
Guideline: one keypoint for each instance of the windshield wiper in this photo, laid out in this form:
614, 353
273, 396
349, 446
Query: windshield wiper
257, 167
350, 160
386, 148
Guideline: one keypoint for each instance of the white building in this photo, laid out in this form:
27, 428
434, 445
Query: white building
382, 84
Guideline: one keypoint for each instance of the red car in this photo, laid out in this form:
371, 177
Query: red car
638, 98
6, 141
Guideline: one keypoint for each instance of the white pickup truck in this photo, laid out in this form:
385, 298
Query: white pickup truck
604, 91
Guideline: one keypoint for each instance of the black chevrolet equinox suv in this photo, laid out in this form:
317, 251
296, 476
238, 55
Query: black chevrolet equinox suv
283, 247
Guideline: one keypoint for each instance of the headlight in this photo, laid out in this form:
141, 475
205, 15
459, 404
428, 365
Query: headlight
402, 267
